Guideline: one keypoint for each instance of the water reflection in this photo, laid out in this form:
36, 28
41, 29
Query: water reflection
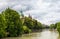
45, 34
58, 37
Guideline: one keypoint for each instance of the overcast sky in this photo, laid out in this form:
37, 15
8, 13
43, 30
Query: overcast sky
45, 11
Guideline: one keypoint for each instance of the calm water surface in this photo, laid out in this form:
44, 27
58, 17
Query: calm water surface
45, 34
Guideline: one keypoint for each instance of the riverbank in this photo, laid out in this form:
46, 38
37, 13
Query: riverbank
44, 34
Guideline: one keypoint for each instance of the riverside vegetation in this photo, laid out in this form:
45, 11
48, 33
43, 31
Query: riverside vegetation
13, 24
56, 26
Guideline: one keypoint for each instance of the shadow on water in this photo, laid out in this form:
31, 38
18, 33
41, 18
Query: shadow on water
45, 34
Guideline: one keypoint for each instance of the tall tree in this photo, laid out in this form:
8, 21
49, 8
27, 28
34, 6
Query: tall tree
28, 22
58, 27
13, 22
2, 26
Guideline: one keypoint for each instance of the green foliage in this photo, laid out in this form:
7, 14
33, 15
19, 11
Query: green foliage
52, 26
11, 24
28, 22
32, 23
26, 29
2, 26
37, 25
58, 27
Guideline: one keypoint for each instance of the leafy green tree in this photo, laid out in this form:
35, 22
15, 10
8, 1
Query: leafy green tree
32, 24
13, 22
2, 26
37, 25
58, 27
26, 29
55, 26
28, 22
52, 26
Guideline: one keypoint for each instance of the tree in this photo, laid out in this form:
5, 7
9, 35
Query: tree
13, 22
28, 22
37, 25
52, 26
58, 27
2, 26
26, 29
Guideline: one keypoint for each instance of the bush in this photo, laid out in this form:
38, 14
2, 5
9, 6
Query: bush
26, 29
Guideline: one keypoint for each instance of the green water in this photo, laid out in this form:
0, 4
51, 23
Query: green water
45, 34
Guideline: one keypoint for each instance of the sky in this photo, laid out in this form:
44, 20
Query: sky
45, 11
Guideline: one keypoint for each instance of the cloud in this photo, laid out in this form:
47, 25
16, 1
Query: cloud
45, 11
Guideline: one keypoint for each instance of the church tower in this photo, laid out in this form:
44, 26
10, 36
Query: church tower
22, 16
22, 13
30, 16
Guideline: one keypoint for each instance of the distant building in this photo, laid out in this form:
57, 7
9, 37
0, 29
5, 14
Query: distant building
22, 16
30, 16
22, 13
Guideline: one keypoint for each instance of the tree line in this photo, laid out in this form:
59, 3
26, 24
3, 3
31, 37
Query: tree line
12, 24
56, 26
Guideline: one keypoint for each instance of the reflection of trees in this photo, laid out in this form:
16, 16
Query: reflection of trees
58, 37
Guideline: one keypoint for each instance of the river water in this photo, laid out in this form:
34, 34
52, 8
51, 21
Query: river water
45, 34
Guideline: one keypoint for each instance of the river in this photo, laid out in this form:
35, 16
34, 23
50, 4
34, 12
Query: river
45, 34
